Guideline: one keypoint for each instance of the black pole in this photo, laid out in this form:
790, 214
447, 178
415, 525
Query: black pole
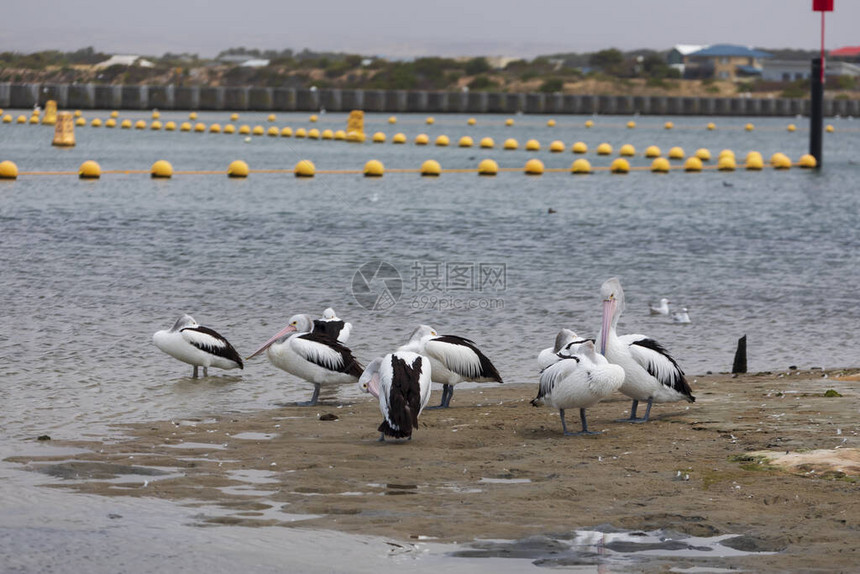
740, 363
816, 112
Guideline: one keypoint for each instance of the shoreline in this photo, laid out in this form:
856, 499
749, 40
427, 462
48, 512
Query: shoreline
494, 467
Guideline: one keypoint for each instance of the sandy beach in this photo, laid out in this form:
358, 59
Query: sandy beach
765, 456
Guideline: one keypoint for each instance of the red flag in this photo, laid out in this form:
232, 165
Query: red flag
822, 5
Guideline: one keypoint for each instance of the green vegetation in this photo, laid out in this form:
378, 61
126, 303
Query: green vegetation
832, 393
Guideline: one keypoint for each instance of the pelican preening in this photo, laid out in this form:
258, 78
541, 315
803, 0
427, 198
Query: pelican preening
401, 382
566, 344
453, 360
197, 345
651, 374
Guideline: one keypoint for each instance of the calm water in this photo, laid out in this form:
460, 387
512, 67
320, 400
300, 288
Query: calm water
90, 269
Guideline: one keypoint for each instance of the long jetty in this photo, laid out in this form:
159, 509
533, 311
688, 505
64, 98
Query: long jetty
171, 97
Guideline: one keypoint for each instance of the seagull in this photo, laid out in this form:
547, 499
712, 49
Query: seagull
197, 345
580, 380
651, 374
661, 309
453, 360
401, 382
329, 324
314, 357
566, 344
681, 317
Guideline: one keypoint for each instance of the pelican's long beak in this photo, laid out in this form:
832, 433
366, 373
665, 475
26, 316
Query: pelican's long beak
267, 344
608, 313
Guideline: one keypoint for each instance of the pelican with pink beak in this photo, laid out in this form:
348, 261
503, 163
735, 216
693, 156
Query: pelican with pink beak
650, 372
317, 358
401, 382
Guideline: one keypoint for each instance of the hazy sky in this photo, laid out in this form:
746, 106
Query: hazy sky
408, 28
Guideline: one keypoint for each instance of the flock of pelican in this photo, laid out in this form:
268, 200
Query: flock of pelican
576, 373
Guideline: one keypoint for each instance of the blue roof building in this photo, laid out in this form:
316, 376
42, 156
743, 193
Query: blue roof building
725, 62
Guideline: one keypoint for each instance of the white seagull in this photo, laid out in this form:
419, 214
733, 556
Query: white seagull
332, 326
580, 380
651, 374
314, 357
661, 309
401, 382
566, 343
681, 316
453, 360
197, 345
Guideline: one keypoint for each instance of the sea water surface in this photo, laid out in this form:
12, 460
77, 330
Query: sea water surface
91, 269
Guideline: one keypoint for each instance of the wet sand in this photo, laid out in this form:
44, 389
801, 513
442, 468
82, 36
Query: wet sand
494, 467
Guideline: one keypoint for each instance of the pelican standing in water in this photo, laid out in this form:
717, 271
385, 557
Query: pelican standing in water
333, 326
401, 382
453, 360
314, 357
580, 380
651, 374
197, 345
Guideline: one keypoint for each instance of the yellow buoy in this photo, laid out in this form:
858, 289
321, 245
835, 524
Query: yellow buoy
488, 143
749, 127
215, 129
550, 123
273, 131
200, 127
668, 125
752, 154
711, 126
660, 165
379, 137
627, 150
229, 129
140, 125
169, 126
81, 122
327, 135
791, 127
807, 161
488, 167
89, 170
244, 129
471, 121
703, 154
185, 127
313, 134
580, 166
64, 130
534, 166
238, 168
374, 168
300, 133
161, 169
22, 119
631, 124
604, 149
96, 123
398, 138
556, 146
431, 168
442, 140
111, 123
356, 137
339, 135
271, 117
589, 123
780, 161
155, 114
653, 151
286, 132
34, 119
579, 147
313, 118
509, 122
676, 152
754, 161
422, 139
430, 121
114, 114
392, 120
829, 129
726, 163
126, 124
693, 164
619, 165
258, 131
726, 152
192, 116
305, 168
7, 119
78, 113
155, 125
511, 143
234, 117
532, 145
8, 170
466, 141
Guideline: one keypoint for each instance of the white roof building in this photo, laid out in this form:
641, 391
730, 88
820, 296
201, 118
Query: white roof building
125, 60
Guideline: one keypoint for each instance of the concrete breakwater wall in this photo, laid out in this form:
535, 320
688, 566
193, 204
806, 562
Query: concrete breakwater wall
92, 96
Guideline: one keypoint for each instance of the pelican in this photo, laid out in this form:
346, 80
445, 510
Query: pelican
566, 343
651, 374
661, 309
580, 380
314, 357
401, 382
329, 324
453, 360
197, 345
681, 316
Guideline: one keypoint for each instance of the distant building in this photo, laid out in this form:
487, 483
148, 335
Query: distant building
794, 70
848, 53
725, 62
125, 60
255, 63
679, 52
244, 61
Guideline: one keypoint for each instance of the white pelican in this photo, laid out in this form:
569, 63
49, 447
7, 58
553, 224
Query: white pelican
197, 345
651, 374
580, 380
401, 382
566, 343
314, 357
681, 316
329, 324
661, 309
453, 360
